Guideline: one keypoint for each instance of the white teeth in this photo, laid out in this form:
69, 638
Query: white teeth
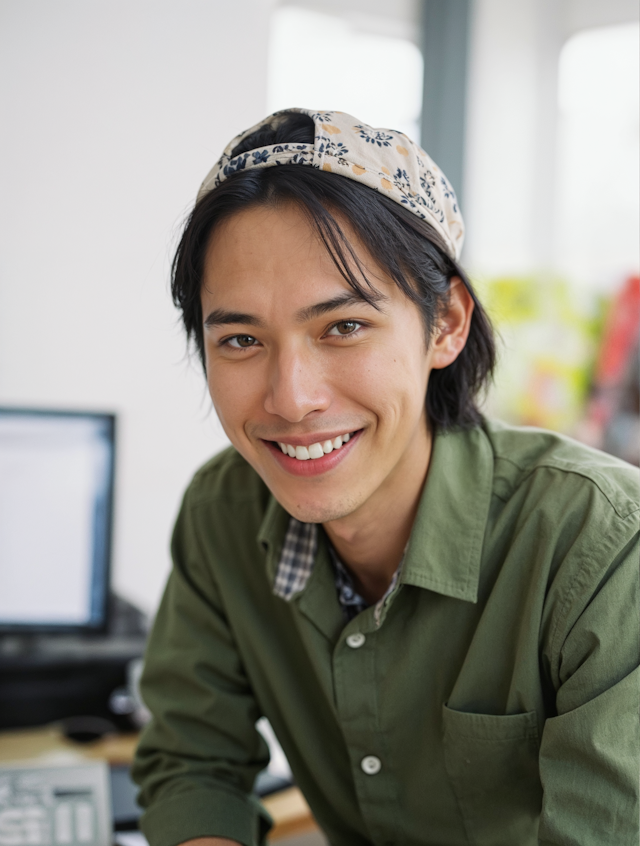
313, 451
316, 451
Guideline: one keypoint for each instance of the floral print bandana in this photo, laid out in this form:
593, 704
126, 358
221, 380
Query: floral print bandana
382, 159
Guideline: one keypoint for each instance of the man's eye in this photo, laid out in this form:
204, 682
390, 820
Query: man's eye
345, 327
241, 341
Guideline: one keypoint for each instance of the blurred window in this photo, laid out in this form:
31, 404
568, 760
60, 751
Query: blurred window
322, 61
598, 154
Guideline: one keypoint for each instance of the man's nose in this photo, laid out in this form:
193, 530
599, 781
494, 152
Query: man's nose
297, 385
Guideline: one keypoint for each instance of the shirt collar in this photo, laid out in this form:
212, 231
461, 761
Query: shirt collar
445, 547
272, 533
297, 558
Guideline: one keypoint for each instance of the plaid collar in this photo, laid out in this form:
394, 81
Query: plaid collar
296, 564
296, 559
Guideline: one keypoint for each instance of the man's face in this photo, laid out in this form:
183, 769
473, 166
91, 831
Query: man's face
294, 357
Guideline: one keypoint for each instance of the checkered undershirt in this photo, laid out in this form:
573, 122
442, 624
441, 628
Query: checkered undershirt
296, 563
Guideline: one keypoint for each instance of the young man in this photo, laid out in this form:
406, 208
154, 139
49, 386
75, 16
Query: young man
438, 614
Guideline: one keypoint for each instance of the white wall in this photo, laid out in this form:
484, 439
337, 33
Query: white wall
584, 14
112, 113
383, 86
393, 18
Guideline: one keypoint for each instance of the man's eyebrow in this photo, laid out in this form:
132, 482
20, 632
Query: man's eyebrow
345, 299
222, 317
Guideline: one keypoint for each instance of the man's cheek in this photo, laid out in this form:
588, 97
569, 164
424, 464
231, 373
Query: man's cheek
227, 402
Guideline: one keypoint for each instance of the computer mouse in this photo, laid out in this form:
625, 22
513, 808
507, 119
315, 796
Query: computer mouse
86, 729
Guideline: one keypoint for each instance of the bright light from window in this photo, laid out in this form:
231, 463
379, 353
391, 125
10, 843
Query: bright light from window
598, 175
320, 62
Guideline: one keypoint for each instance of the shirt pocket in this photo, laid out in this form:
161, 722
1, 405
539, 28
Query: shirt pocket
492, 763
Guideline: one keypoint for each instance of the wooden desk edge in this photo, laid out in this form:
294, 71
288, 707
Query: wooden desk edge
290, 812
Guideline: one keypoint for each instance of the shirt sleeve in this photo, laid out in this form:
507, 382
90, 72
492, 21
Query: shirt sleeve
198, 757
590, 751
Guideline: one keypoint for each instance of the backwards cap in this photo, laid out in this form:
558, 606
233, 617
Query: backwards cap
382, 159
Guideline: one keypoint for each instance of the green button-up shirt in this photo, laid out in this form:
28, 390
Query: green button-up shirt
495, 701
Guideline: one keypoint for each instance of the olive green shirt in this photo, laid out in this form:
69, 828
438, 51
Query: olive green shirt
498, 694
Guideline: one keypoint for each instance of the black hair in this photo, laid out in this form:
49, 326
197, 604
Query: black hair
406, 247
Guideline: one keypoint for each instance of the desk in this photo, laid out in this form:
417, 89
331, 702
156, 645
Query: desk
288, 808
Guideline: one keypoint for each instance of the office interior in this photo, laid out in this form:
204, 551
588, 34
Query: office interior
114, 111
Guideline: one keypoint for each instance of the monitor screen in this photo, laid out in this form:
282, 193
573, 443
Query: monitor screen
56, 493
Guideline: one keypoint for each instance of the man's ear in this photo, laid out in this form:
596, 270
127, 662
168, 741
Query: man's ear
453, 326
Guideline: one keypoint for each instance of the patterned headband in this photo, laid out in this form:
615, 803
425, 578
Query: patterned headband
382, 159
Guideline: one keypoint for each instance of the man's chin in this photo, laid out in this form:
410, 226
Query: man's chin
318, 511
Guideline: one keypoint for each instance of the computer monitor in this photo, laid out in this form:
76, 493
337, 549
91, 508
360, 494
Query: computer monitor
56, 499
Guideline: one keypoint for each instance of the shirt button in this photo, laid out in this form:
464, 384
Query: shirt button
356, 640
371, 765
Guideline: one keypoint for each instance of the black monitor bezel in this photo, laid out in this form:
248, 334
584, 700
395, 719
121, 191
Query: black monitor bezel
100, 626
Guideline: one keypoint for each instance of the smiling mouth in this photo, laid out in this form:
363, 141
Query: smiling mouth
314, 451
